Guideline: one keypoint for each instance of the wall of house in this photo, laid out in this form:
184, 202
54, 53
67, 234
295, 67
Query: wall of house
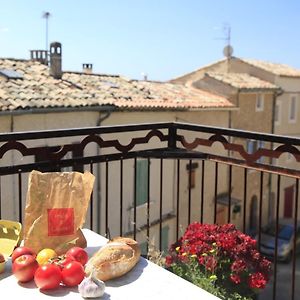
5, 123
260, 121
248, 118
290, 87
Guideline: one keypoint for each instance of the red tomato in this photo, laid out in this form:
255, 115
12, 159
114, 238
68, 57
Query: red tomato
73, 273
21, 251
24, 267
62, 260
79, 254
47, 277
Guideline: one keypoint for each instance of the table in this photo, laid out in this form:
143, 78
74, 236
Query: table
146, 281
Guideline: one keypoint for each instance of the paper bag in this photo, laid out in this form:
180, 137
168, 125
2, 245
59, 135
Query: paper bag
56, 207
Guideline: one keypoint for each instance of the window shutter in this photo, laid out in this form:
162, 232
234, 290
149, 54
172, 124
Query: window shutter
141, 182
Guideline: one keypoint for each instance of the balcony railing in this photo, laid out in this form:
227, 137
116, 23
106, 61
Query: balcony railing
152, 180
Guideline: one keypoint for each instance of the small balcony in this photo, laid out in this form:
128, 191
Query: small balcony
152, 180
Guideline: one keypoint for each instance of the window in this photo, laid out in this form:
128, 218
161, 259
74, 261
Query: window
277, 113
293, 109
142, 181
259, 102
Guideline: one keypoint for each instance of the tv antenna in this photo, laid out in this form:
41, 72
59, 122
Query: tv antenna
46, 16
228, 49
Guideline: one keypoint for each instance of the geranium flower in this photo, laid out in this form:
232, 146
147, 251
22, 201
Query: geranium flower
221, 252
257, 281
235, 278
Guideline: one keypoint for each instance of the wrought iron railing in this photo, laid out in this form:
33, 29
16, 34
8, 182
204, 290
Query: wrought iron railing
191, 173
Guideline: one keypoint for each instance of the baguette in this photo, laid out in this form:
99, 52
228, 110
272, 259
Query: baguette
114, 259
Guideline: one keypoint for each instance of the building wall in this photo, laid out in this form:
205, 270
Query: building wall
244, 120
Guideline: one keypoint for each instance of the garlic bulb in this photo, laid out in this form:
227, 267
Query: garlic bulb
91, 287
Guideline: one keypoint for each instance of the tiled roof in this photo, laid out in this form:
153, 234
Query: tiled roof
274, 68
242, 81
38, 89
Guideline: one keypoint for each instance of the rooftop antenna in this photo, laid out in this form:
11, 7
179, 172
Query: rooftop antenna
228, 50
46, 16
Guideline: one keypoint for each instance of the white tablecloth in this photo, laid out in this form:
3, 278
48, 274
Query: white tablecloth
146, 281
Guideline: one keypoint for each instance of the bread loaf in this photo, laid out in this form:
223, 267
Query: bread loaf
114, 259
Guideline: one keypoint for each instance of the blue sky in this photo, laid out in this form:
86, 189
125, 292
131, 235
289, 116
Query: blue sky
163, 38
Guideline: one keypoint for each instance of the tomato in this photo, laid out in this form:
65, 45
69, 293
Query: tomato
48, 277
79, 254
73, 273
21, 251
24, 267
44, 255
61, 260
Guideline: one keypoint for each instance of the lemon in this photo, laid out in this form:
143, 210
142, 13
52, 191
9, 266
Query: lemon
44, 256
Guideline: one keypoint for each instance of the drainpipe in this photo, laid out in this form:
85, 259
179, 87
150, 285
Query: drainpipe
272, 146
13, 177
98, 169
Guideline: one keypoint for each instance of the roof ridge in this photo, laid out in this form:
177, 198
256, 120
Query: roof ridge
201, 68
92, 74
15, 59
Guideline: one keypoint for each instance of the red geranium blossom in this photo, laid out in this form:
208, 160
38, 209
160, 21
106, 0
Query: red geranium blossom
257, 281
221, 252
235, 278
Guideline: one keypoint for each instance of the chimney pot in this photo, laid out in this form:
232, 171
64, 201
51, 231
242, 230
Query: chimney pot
55, 60
87, 68
40, 56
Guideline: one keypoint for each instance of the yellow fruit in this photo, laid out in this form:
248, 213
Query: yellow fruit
44, 255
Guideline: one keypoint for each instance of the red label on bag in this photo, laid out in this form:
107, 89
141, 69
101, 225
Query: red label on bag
60, 221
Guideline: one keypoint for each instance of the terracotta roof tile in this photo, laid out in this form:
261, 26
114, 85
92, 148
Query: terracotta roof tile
242, 81
38, 89
275, 68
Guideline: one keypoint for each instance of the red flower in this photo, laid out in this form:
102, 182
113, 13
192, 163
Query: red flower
169, 260
235, 278
221, 250
238, 266
210, 263
257, 281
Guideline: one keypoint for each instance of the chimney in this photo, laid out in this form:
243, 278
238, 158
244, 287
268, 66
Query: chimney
55, 60
87, 68
40, 56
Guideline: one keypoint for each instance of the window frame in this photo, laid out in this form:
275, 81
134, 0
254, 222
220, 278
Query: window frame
294, 119
141, 187
260, 98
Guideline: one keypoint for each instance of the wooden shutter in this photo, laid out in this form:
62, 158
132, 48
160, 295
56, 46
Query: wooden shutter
142, 181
